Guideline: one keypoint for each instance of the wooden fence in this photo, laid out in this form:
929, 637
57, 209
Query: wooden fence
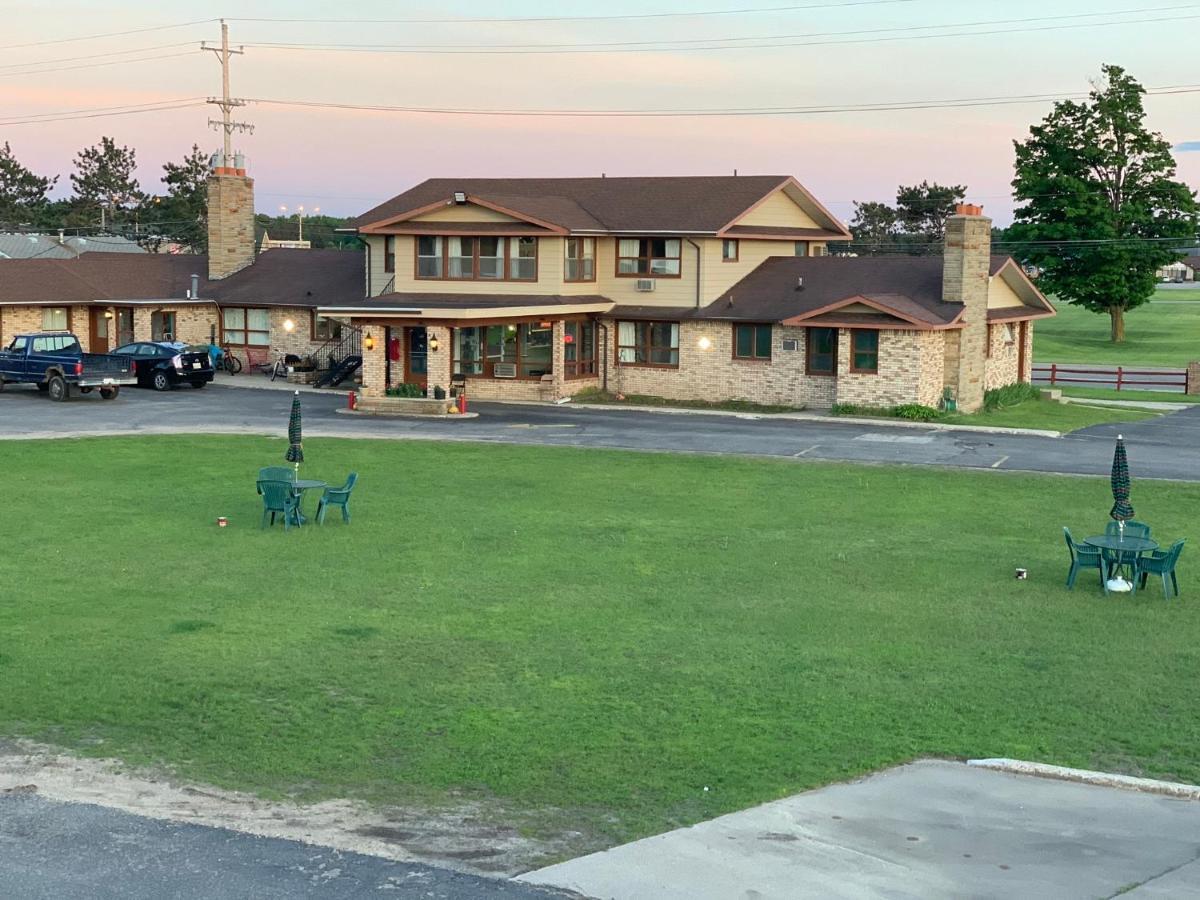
1115, 377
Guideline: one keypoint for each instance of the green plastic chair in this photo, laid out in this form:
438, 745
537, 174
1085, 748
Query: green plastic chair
277, 473
279, 497
337, 497
1161, 563
1084, 557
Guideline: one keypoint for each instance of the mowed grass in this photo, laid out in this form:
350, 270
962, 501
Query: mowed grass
593, 637
1156, 334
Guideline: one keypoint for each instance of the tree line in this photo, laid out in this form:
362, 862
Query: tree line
107, 198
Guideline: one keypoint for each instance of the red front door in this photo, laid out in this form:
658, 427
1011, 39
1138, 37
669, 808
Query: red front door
98, 331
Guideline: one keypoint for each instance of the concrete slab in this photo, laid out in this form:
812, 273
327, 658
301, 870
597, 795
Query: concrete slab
927, 830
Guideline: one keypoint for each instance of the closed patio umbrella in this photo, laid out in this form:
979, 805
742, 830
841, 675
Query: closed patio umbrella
295, 450
1122, 510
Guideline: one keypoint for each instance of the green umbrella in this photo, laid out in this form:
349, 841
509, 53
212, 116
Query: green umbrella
295, 451
1122, 510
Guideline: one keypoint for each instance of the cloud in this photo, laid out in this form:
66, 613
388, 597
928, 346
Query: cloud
1188, 147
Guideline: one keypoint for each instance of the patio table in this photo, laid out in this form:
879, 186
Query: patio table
302, 485
1117, 545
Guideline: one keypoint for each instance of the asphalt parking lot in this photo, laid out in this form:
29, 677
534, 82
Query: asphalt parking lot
1166, 447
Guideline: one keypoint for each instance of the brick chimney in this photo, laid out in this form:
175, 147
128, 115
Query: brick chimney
230, 217
966, 264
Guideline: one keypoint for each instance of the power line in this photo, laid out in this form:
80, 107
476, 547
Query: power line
94, 109
683, 47
883, 106
684, 42
94, 37
102, 115
46, 62
611, 17
92, 65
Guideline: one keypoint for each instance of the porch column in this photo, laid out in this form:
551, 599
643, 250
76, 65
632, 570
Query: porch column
439, 360
558, 359
374, 368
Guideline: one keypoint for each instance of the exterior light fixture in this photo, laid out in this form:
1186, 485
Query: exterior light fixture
433, 344
368, 342
108, 314
460, 197
705, 343
289, 326
512, 327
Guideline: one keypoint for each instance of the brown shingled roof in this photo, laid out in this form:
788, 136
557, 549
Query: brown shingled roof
695, 204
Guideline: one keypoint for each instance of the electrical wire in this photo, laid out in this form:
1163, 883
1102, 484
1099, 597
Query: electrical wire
93, 65
46, 62
101, 115
93, 37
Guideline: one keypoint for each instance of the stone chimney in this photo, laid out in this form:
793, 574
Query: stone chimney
966, 264
230, 217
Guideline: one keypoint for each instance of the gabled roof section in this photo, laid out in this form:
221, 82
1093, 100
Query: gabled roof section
828, 225
898, 307
1038, 307
663, 205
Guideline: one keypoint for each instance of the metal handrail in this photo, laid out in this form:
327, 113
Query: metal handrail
334, 350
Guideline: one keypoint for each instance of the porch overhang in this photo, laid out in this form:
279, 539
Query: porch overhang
466, 308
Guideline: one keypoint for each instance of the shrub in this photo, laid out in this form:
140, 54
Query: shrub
1010, 395
916, 412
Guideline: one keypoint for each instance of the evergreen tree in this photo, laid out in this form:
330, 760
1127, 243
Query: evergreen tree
23, 195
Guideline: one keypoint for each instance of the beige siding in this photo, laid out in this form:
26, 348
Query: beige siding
1000, 295
467, 212
779, 210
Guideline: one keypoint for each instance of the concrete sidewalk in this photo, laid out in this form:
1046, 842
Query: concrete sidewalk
924, 831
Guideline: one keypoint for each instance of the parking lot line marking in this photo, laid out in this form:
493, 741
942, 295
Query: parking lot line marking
804, 452
998, 463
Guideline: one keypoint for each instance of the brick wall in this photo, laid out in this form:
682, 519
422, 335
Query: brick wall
1005, 355
910, 370
374, 368
965, 266
230, 224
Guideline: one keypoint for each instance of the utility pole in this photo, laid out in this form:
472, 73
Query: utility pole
300, 213
226, 103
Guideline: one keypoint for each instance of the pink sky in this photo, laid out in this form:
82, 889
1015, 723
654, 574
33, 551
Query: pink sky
346, 161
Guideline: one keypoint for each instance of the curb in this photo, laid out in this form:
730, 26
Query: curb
446, 417
880, 421
1084, 776
254, 385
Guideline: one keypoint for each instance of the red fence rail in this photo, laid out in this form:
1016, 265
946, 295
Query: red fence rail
1118, 377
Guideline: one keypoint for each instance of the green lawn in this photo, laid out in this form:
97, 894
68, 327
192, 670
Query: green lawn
1157, 334
591, 637
1049, 415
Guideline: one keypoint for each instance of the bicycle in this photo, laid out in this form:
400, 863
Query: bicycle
229, 362
279, 368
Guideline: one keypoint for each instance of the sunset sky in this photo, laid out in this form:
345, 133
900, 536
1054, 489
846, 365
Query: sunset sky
347, 160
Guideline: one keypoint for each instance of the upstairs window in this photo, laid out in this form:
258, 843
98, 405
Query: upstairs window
477, 258
729, 250
639, 257
752, 342
389, 253
800, 248
580, 262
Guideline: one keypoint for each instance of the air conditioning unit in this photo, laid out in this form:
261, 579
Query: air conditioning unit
504, 370
791, 345
645, 284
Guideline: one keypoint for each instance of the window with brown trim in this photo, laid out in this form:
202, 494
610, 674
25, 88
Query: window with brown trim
324, 328
729, 250
162, 326
641, 257
521, 350
800, 248
55, 318
579, 349
580, 261
483, 258
389, 253
648, 344
864, 351
246, 327
752, 342
820, 351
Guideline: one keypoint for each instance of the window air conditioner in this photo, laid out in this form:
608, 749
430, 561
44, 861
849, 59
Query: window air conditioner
504, 370
791, 345
645, 284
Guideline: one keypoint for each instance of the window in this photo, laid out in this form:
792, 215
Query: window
529, 347
429, 257
580, 263
55, 343
638, 257
752, 342
325, 329
389, 253
17, 345
1010, 333
522, 259
477, 258
579, 349
246, 327
864, 351
162, 326
648, 343
800, 248
729, 250
821, 351
54, 318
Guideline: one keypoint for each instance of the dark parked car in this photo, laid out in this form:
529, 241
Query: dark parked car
163, 366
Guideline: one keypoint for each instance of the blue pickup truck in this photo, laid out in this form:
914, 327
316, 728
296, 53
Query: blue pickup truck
56, 363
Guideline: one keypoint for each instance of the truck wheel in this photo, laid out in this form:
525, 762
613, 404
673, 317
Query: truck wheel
160, 381
59, 390
109, 393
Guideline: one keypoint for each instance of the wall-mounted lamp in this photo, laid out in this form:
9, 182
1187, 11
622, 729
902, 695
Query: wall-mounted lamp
434, 343
289, 326
368, 342
704, 343
108, 314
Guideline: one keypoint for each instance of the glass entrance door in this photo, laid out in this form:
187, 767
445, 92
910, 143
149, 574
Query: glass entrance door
416, 367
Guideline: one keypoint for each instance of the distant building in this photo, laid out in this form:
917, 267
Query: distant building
45, 246
1183, 271
269, 243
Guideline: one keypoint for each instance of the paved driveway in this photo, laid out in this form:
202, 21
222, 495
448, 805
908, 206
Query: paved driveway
926, 831
75, 851
1168, 447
